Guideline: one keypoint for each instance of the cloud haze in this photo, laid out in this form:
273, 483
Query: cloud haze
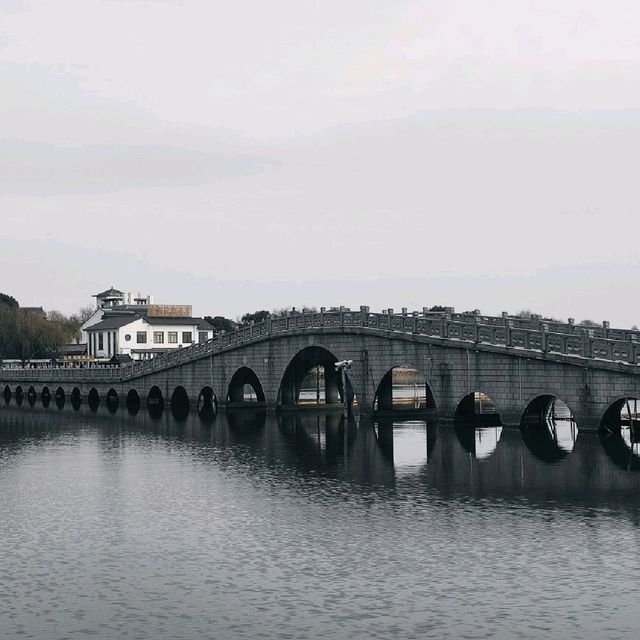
245, 155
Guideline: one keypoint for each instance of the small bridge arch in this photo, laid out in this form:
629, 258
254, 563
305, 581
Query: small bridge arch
245, 377
155, 402
180, 403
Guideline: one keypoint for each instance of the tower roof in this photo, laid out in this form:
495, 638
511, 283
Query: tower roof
109, 293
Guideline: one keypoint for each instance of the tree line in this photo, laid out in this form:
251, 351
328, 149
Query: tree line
25, 335
220, 323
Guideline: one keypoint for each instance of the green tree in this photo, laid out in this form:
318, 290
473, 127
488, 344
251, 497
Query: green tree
8, 301
220, 323
25, 335
256, 316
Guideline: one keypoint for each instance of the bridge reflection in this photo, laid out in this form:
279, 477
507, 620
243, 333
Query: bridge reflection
551, 461
478, 441
407, 444
548, 428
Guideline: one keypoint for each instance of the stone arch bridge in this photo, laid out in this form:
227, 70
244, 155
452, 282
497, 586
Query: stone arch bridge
512, 360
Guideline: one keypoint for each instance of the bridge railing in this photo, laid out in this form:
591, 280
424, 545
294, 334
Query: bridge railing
534, 334
53, 374
523, 333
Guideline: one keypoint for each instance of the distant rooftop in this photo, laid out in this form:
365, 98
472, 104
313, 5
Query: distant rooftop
72, 349
37, 311
109, 293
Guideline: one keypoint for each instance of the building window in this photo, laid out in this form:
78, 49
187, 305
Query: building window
158, 337
141, 337
173, 337
202, 336
127, 336
186, 337
100, 342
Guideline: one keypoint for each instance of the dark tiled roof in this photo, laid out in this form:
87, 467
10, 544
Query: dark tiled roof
109, 293
204, 325
121, 358
38, 311
113, 322
72, 349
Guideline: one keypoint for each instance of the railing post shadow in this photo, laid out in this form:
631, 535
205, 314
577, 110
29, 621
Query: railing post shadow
543, 337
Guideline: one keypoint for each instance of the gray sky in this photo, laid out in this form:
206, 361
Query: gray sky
244, 155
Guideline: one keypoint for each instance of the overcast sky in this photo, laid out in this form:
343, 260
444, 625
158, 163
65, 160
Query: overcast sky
246, 155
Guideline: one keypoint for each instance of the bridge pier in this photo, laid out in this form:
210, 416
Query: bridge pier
289, 387
331, 385
385, 392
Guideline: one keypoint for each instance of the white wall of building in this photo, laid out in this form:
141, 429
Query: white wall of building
124, 340
89, 322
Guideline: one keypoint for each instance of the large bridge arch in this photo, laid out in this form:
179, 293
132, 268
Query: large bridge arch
313, 367
388, 394
244, 376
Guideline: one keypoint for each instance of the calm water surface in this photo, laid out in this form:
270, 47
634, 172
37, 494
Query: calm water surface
257, 526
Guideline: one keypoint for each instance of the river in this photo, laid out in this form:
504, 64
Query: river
293, 526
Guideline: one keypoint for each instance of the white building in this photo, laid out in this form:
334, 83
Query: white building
123, 325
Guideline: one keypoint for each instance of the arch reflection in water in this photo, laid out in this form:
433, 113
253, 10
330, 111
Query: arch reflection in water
207, 404
19, 395
76, 399
246, 422
408, 444
620, 433
480, 442
155, 402
318, 434
31, 396
60, 397
132, 402
548, 428
112, 401
45, 397
478, 424
93, 399
6, 394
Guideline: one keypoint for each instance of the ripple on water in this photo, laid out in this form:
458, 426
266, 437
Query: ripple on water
115, 530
